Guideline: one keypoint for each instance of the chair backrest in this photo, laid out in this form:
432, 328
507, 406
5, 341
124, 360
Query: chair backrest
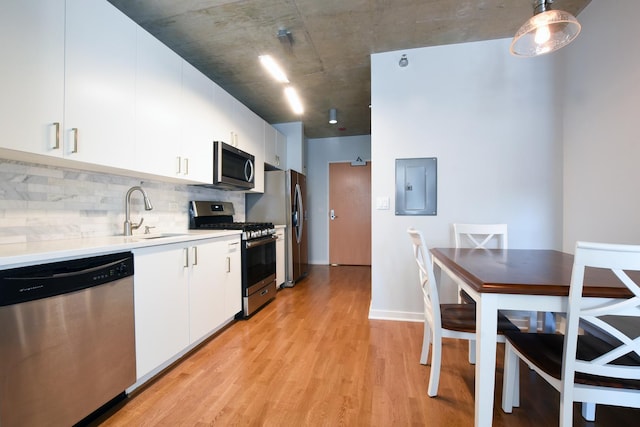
620, 260
427, 278
480, 235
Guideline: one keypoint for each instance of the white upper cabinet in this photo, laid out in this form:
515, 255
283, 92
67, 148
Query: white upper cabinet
281, 150
275, 145
223, 129
270, 155
237, 125
250, 138
196, 143
249, 129
82, 82
158, 114
100, 77
32, 75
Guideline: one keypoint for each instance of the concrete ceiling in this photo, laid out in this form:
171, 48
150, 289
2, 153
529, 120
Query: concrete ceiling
326, 56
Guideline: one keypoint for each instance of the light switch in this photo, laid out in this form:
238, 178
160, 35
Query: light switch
382, 203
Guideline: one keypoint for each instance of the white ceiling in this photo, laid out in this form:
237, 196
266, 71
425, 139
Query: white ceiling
327, 54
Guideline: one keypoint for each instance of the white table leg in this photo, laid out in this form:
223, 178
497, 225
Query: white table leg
486, 335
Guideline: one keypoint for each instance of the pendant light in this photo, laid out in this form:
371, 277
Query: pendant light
333, 116
546, 31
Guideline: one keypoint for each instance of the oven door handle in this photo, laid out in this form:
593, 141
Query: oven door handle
259, 242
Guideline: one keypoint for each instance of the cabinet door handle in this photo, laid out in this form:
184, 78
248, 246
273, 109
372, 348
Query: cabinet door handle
185, 251
195, 255
228, 264
57, 126
178, 165
75, 140
186, 166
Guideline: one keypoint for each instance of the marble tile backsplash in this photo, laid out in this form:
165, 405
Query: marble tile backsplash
40, 202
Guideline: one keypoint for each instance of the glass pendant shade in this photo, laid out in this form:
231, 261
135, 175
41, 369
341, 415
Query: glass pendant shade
545, 32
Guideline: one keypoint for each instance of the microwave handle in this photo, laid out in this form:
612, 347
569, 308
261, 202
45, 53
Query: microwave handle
249, 176
218, 160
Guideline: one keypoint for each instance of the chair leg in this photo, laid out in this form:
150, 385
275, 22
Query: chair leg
472, 352
589, 411
566, 410
436, 359
510, 380
516, 385
426, 342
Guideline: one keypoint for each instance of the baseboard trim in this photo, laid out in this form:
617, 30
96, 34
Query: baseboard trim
400, 316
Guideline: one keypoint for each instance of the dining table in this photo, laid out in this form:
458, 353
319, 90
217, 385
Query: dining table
513, 279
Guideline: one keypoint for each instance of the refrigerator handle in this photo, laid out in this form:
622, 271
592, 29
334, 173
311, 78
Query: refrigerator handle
298, 215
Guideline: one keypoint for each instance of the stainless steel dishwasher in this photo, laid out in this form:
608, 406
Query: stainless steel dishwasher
67, 343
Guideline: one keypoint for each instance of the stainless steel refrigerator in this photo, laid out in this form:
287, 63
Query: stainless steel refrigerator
283, 202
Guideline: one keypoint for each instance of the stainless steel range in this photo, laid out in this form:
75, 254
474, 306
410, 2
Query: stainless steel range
258, 250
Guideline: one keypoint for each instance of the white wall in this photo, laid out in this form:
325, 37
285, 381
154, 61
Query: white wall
493, 123
321, 152
601, 128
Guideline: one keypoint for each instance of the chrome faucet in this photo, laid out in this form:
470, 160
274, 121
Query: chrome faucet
128, 225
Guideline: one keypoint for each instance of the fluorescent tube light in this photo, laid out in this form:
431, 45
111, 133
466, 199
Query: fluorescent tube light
294, 100
273, 68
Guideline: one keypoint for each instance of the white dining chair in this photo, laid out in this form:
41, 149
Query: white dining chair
442, 320
583, 367
487, 236
479, 236
484, 236
492, 236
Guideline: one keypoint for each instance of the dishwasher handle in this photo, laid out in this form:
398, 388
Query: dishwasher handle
30, 283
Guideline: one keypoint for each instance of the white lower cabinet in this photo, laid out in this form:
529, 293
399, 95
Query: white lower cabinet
280, 256
232, 275
214, 287
182, 293
161, 305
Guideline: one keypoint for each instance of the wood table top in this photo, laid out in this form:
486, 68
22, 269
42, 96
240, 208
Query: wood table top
527, 271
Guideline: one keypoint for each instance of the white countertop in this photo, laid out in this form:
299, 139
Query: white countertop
21, 254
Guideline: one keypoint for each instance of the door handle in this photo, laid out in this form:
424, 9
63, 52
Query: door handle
332, 215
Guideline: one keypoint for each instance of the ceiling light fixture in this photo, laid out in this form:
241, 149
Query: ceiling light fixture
333, 116
286, 39
294, 100
273, 68
546, 31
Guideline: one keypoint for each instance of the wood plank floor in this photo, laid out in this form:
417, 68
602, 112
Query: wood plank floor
312, 358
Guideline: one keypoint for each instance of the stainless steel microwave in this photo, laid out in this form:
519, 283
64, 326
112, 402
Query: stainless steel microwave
233, 169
